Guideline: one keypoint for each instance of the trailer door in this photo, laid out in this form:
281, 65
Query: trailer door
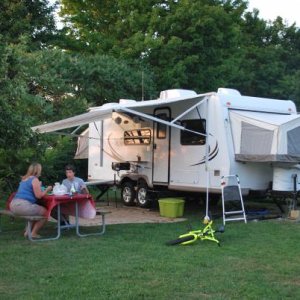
161, 147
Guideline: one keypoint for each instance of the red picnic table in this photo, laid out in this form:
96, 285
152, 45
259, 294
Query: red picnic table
77, 205
85, 202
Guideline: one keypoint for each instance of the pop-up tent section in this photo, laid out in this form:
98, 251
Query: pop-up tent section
264, 137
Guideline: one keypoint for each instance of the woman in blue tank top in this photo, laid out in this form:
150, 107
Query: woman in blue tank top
24, 202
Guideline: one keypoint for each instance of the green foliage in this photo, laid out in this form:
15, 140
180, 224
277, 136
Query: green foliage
195, 44
43, 85
188, 44
30, 18
72, 81
102, 79
25, 26
56, 158
21, 107
15, 133
51, 85
269, 58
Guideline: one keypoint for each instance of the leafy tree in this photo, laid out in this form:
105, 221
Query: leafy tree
102, 79
56, 158
49, 85
24, 26
269, 58
197, 44
188, 44
39, 83
72, 81
33, 19
16, 138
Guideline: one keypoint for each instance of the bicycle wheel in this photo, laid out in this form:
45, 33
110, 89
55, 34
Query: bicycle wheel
181, 240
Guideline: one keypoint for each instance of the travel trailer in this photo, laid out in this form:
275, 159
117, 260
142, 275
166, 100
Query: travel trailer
186, 142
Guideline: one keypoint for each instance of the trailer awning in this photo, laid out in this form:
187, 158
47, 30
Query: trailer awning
105, 111
86, 118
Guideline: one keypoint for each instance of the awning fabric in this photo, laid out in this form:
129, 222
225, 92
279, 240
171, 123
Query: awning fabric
82, 119
105, 111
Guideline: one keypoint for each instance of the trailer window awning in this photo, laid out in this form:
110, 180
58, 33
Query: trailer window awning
137, 108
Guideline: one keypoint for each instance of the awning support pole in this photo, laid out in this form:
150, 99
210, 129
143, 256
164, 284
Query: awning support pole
188, 110
206, 218
158, 120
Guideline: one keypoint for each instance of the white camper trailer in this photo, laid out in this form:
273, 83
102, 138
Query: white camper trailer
185, 141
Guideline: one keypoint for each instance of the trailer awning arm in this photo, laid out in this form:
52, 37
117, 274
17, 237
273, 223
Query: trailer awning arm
75, 130
188, 110
158, 120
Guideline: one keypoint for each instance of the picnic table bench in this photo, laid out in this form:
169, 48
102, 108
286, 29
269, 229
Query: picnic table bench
29, 219
50, 202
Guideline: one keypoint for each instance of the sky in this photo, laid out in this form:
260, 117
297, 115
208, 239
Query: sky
270, 9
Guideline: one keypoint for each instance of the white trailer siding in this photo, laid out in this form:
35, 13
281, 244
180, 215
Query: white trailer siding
106, 145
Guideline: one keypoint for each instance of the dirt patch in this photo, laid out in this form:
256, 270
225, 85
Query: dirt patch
128, 215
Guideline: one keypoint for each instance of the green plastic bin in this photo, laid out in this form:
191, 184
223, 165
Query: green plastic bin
171, 207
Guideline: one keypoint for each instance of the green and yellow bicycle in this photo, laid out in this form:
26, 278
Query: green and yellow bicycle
207, 233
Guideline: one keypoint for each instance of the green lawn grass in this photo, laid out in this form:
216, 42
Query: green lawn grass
258, 260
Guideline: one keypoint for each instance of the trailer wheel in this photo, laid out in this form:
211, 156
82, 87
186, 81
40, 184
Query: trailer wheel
128, 193
141, 196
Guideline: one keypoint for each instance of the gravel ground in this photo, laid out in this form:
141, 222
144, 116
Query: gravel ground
125, 215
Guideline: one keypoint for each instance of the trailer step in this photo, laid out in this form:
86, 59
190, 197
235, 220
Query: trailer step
232, 192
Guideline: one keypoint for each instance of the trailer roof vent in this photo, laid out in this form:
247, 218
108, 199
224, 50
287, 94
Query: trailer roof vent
228, 92
176, 93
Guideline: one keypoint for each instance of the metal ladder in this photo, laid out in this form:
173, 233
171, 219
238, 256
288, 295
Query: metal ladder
233, 193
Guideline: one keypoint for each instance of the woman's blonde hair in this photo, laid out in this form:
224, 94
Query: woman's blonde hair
35, 169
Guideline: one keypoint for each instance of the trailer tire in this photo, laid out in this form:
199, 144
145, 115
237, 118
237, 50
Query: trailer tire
128, 193
141, 195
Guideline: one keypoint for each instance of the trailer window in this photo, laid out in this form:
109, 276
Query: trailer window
161, 129
137, 137
190, 138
